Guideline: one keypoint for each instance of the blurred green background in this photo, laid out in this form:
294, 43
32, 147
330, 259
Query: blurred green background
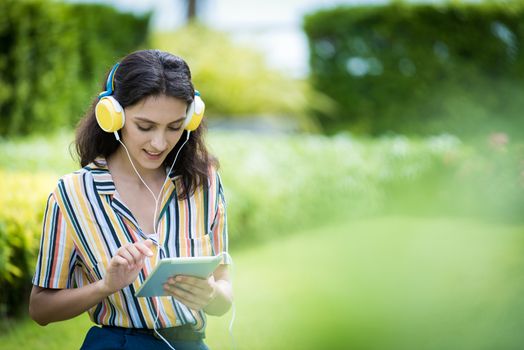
375, 202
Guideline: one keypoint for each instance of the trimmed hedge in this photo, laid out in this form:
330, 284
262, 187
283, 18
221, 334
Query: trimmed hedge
52, 56
420, 68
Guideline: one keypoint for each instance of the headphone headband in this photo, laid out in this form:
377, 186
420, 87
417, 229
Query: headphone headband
111, 117
110, 83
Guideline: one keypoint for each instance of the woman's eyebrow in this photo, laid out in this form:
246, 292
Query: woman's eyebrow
181, 119
145, 120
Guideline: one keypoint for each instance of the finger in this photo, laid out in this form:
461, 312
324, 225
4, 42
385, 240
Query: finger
191, 301
172, 286
137, 256
194, 289
144, 247
149, 243
124, 253
188, 299
198, 297
198, 293
203, 295
195, 282
119, 261
179, 291
171, 290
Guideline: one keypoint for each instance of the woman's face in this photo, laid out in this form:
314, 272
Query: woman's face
153, 127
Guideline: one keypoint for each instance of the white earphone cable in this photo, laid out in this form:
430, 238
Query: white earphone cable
156, 198
160, 247
233, 308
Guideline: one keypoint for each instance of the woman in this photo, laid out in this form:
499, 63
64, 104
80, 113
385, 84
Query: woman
148, 189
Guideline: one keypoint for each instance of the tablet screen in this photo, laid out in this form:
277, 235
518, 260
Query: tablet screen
201, 267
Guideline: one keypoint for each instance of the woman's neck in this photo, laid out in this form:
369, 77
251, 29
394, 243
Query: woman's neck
119, 164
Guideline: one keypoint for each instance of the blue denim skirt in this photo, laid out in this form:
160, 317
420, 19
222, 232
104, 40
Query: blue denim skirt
102, 338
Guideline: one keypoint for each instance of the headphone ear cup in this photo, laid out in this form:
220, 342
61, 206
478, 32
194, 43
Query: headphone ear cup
195, 113
109, 114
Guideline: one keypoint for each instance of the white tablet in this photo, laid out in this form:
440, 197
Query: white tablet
201, 267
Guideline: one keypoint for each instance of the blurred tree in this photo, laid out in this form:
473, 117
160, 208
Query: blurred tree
193, 7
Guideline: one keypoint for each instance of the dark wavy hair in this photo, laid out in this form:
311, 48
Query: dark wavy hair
142, 74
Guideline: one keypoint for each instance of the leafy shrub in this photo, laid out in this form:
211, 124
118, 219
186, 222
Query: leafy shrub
22, 200
53, 58
420, 68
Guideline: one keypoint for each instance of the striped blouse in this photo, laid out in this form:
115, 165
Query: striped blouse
85, 222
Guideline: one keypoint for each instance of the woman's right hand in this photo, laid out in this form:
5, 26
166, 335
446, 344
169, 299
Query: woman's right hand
125, 265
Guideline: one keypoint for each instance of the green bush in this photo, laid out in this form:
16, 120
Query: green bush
419, 68
22, 199
52, 58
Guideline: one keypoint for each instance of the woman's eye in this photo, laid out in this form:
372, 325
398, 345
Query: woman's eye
143, 128
174, 129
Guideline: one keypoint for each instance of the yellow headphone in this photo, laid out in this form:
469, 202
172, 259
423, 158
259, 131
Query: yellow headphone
111, 117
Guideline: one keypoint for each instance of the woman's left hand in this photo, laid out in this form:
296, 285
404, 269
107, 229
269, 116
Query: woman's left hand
196, 293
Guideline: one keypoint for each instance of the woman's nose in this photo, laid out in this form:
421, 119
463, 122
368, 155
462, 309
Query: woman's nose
159, 142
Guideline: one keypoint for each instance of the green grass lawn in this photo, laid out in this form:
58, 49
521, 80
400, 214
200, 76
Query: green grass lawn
387, 283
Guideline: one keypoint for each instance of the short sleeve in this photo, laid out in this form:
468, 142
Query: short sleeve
56, 258
219, 233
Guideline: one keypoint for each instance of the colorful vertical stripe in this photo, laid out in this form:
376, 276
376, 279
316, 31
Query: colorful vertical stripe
85, 222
